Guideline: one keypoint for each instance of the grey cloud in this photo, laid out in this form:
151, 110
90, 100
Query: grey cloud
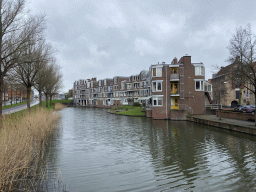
107, 38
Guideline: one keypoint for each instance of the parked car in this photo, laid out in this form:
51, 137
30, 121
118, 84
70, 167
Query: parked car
239, 108
249, 109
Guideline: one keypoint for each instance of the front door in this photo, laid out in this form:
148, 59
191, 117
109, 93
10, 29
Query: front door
174, 102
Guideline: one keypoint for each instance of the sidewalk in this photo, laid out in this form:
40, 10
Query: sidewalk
226, 120
18, 108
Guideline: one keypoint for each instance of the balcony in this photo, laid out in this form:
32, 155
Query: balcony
175, 92
174, 77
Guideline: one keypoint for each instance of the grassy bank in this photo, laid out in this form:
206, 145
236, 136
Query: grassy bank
23, 139
129, 110
13, 105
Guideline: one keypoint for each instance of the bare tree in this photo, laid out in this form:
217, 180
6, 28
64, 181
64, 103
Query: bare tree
242, 54
16, 29
53, 83
44, 77
31, 61
41, 80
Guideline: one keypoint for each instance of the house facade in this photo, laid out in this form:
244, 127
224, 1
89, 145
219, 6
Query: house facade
169, 91
227, 91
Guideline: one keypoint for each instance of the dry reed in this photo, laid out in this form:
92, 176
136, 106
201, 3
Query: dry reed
22, 148
59, 106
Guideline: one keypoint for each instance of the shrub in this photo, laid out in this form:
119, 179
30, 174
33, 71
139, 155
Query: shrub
136, 104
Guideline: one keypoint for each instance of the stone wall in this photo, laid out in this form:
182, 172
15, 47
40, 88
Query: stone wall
178, 115
236, 115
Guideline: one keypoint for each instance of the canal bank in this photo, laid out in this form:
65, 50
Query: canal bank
98, 151
225, 123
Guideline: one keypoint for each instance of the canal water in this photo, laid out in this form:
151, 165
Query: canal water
97, 151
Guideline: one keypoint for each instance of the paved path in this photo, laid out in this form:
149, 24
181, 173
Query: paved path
226, 120
19, 108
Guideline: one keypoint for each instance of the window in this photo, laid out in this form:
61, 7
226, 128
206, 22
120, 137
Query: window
115, 80
141, 92
145, 92
237, 94
129, 85
141, 84
122, 85
157, 100
99, 83
199, 84
105, 81
156, 86
199, 70
157, 72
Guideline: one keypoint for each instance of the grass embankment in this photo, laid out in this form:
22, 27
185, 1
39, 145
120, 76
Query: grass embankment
129, 110
23, 139
13, 105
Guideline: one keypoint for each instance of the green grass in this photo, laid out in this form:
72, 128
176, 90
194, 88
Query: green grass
13, 105
35, 107
132, 111
125, 107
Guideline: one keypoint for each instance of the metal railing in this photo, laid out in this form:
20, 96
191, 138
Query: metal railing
214, 106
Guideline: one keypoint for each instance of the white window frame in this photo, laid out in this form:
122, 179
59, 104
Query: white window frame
129, 86
158, 72
157, 98
157, 82
141, 84
122, 85
199, 70
201, 84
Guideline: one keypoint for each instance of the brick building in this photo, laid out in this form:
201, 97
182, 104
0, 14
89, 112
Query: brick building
14, 92
228, 92
169, 91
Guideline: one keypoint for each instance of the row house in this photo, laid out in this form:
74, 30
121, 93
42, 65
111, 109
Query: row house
14, 92
169, 91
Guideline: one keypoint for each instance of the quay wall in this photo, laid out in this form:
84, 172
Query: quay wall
236, 115
229, 126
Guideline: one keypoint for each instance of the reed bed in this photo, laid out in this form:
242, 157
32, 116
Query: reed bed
59, 106
22, 149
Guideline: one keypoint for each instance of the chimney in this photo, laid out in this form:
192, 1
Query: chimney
187, 59
175, 60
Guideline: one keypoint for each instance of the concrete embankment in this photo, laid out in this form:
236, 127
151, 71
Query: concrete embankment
225, 123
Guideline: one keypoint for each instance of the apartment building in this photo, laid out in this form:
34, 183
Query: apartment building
169, 91
178, 88
228, 91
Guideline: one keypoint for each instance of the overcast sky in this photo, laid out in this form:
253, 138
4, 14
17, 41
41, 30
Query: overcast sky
111, 38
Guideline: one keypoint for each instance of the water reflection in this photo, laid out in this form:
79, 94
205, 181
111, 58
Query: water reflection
97, 151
